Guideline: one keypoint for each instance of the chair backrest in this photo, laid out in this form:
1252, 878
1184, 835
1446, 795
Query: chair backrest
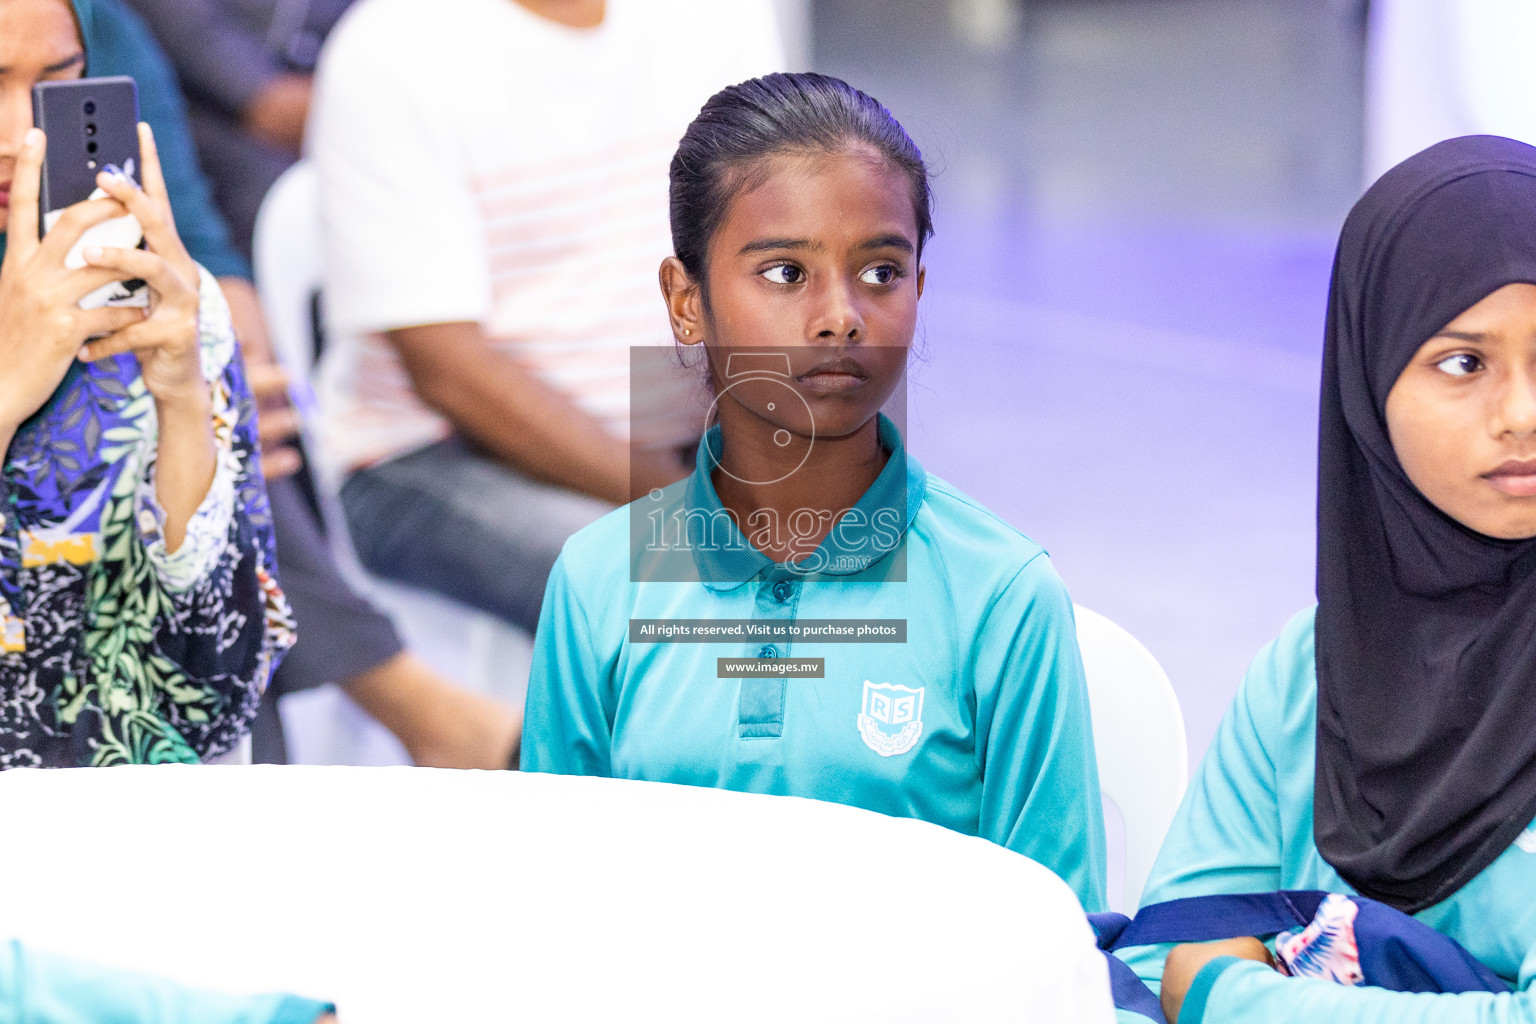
1138, 734
286, 248
290, 269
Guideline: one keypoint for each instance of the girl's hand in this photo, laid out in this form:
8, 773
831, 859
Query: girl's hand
1185, 961
41, 324
165, 339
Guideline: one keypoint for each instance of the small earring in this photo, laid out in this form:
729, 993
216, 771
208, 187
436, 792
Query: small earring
686, 332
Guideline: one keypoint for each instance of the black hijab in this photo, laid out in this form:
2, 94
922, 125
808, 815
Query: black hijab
1426, 630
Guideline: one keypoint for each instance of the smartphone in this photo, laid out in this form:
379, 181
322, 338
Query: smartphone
92, 126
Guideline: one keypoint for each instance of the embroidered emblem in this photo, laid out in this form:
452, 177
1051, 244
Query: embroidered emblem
892, 718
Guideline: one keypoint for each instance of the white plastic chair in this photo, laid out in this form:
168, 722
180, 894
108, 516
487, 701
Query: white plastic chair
286, 250
1138, 735
478, 649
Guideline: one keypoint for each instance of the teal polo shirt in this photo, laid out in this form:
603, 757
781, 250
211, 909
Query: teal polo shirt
978, 721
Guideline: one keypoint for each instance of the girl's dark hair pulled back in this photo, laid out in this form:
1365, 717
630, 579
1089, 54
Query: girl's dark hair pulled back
779, 113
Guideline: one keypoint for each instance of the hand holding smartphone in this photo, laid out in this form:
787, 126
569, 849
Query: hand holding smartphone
92, 126
42, 330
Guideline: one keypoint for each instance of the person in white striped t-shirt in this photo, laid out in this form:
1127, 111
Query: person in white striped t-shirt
494, 189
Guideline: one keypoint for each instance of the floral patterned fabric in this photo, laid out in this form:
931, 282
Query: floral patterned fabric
1326, 947
113, 650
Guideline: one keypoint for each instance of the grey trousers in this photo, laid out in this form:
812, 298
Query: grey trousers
341, 635
455, 522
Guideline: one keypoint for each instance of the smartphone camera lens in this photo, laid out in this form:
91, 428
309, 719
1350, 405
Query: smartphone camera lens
90, 147
90, 129
90, 106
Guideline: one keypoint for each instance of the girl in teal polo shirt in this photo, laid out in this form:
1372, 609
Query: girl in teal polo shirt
942, 679
1385, 743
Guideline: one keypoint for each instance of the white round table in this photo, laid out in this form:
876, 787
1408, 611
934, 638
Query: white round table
416, 895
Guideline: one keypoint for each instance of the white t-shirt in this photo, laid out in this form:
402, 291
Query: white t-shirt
481, 163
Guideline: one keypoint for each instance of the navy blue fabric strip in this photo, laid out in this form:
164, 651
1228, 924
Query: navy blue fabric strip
1130, 992
1406, 955
1107, 927
1207, 918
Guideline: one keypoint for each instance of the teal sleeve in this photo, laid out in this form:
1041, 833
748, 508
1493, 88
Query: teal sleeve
1040, 780
1226, 836
41, 988
121, 44
567, 728
1193, 1009
1247, 992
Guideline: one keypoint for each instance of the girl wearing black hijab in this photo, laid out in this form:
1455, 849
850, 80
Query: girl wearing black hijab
1385, 743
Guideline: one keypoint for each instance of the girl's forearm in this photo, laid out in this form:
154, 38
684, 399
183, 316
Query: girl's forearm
186, 459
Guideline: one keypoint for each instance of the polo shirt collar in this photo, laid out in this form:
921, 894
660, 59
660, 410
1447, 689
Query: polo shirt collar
900, 486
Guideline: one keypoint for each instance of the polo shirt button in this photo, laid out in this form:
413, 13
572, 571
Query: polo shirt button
767, 652
782, 590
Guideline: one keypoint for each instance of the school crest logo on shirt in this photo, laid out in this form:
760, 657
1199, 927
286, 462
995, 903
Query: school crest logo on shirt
892, 718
